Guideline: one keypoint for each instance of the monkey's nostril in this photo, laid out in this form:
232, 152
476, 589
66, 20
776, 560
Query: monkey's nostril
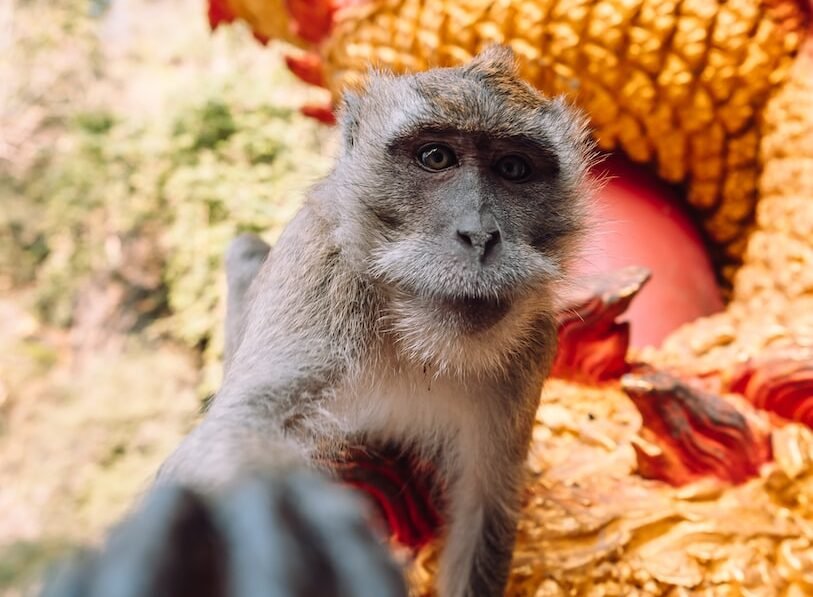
465, 238
493, 241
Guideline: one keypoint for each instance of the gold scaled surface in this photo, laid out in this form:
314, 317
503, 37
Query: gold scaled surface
592, 527
772, 300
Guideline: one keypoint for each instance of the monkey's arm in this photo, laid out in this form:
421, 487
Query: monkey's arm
261, 420
485, 494
483, 510
214, 527
292, 536
282, 359
226, 447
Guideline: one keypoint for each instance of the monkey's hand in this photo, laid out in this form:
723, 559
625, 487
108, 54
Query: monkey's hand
289, 536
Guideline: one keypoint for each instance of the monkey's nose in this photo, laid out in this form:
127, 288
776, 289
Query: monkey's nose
482, 240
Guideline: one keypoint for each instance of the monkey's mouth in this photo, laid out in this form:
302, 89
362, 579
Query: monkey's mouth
476, 313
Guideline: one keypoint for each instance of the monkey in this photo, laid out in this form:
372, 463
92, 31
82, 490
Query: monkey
411, 300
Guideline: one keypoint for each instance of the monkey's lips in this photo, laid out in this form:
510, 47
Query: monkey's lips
476, 313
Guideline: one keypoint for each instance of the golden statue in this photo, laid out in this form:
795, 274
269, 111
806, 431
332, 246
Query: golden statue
685, 469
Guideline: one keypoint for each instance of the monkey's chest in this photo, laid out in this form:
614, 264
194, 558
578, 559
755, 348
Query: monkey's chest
398, 432
408, 407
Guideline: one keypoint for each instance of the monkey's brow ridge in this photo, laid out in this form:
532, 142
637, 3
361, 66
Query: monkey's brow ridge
412, 134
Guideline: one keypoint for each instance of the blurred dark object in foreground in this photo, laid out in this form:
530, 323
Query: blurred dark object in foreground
294, 536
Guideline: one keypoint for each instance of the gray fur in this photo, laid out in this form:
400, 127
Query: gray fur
244, 258
378, 317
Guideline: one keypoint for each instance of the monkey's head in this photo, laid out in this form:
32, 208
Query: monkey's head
472, 184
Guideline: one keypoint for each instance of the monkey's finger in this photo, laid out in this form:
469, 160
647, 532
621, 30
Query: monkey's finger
71, 578
336, 521
302, 537
168, 549
265, 548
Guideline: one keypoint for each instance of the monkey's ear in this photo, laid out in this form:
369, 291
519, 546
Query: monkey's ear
349, 118
495, 59
350, 111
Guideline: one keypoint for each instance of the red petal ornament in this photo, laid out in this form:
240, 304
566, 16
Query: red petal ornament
780, 381
695, 433
311, 20
405, 490
219, 12
308, 67
322, 112
592, 344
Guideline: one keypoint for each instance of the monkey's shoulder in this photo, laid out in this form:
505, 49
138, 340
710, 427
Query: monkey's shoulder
306, 296
306, 240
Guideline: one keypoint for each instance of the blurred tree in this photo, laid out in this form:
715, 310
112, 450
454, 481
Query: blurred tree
120, 218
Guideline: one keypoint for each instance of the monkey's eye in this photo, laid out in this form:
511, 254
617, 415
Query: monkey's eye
436, 157
513, 167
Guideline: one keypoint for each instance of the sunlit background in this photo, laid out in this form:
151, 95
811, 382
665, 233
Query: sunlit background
134, 144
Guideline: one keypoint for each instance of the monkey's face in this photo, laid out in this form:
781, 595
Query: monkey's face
472, 182
478, 221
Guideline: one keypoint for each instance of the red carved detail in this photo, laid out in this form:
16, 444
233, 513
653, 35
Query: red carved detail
780, 381
219, 12
322, 112
311, 20
592, 344
308, 67
404, 490
698, 433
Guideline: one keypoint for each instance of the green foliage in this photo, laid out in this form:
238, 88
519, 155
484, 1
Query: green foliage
100, 187
207, 126
249, 181
95, 122
185, 182
42, 71
221, 170
22, 562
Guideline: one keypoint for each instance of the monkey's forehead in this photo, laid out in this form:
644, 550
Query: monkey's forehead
453, 100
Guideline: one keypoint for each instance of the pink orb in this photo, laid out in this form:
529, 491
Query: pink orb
639, 220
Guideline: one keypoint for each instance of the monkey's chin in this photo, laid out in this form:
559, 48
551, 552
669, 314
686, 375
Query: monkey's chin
463, 336
474, 314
